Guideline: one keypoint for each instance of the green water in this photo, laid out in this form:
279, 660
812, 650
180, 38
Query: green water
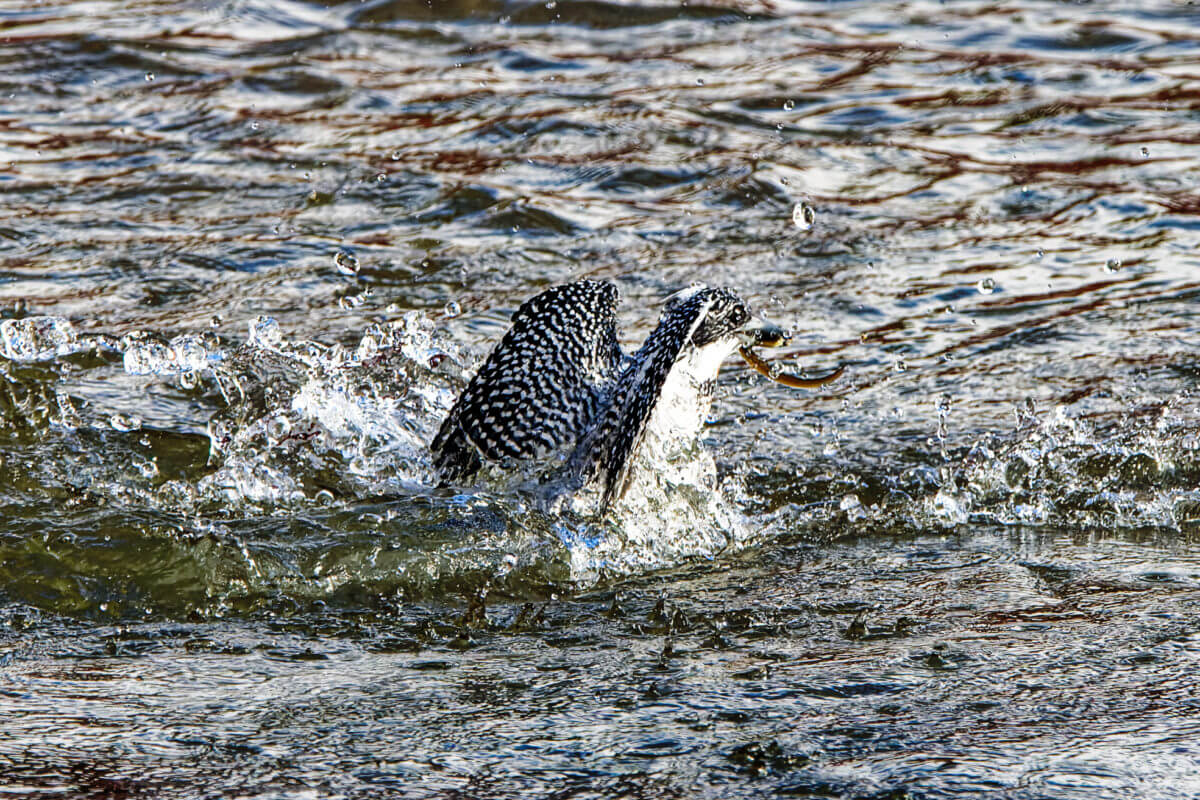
968, 568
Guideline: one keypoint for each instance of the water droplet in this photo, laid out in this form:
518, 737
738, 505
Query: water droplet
900, 366
789, 105
124, 422
1145, 152
699, 81
395, 155
150, 77
254, 125
552, 4
803, 216
324, 498
189, 379
452, 309
351, 301
279, 427
507, 564
346, 263
1112, 265
381, 178
987, 286
38, 338
1041, 253
265, 332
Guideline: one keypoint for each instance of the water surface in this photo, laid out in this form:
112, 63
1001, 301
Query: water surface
251, 249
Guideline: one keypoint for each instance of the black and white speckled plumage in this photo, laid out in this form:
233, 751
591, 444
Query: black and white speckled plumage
556, 382
540, 387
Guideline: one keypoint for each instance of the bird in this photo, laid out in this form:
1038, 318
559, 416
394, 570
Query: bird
559, 383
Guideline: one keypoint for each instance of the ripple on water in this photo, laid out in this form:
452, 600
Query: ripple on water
975, 574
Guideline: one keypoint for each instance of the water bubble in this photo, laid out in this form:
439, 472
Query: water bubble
68, 416
38, 338
346, 263
789, 105
368, 348
803, 216
324, 498
265, 332
853, 507
190, 352
147, 354
987, 286
125, 422
452, 309
279, 427
1112, 265
506, 564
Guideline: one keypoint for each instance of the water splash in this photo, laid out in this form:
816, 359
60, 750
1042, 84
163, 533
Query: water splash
1061, 470
303, 427
43, 339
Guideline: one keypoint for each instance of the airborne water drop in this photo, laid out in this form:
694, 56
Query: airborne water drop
346, 263
803, 216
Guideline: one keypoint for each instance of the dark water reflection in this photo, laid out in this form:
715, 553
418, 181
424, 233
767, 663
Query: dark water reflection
979, 571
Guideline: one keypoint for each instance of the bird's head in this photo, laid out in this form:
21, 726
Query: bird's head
711, 324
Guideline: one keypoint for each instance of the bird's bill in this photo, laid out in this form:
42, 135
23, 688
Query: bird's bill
763, 334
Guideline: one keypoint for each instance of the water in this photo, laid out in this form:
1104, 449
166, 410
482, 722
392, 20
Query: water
252, 249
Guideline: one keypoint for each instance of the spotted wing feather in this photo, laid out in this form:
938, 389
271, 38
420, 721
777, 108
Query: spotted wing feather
606, 454
541, 387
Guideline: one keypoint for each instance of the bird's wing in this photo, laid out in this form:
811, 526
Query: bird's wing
542, 385
607, 453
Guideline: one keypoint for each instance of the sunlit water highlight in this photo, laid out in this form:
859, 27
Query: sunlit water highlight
252, 250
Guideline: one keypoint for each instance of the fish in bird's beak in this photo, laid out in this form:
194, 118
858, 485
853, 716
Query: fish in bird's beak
766, 334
